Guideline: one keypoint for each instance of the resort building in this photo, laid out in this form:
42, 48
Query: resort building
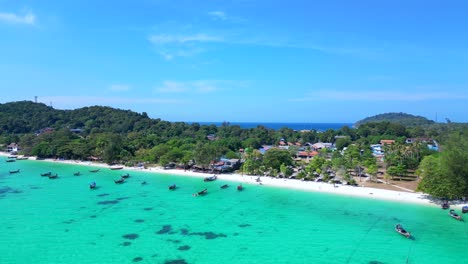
13, 147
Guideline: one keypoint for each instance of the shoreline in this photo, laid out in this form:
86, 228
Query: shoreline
310, 186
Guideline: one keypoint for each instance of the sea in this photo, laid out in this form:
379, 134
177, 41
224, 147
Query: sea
62, 220
276, 126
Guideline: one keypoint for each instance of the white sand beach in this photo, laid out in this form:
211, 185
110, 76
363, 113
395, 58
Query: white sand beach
339, 189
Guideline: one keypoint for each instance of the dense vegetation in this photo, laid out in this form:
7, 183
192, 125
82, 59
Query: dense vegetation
114, 135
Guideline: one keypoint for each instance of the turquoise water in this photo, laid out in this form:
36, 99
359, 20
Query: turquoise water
63, 221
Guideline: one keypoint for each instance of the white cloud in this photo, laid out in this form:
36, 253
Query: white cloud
173, 87
173, 46
222, 16
28, 18
409, 96
218, 15
199, 86
119, 87
162, 39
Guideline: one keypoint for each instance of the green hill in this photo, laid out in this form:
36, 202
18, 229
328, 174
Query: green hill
398, 118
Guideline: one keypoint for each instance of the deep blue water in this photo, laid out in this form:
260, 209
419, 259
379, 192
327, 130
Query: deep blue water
277, 126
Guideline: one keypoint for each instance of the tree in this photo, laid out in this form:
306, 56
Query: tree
372, 171
275, 157
446, 175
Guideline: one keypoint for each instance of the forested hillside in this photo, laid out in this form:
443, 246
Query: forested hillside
398, 118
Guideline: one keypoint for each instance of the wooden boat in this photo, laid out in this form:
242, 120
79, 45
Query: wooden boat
465, 209
172, 187
116, 167
224, 186
77, 173
46, 173
22, 158
211, 178
126, 175
240, 187
94, 170
453, 214
55, 176
119, 181
92, 185
402, 231
445, 205
205, 191
15, 171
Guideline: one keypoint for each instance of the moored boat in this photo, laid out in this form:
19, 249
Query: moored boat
465, 209
46, 173
445, 205
55, 176
92, 185
172, 187
205, 191
453, 214
10, 160
224, 186
119, 181
211, 178
77, 173
96, 170
116, 167
402, 231
126, 175
15, 171
240, 187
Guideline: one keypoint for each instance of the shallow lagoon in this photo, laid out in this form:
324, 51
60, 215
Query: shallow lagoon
63, 221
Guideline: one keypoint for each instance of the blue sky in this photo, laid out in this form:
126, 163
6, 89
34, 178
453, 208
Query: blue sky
239, 61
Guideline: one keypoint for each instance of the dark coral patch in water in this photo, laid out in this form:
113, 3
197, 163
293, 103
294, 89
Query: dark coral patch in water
122, 198
92, 216
131, 236
183, 248
137, 259
208, 235
244, 225
126, 244
35, 187
108, 202
165, 229
176, 261
139, 221
148, 208
184, 231
175, 241
102, 195
375, 262
69, 221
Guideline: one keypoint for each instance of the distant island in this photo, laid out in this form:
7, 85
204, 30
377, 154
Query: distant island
399, 118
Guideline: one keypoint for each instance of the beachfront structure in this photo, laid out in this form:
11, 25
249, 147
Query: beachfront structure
13, 147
